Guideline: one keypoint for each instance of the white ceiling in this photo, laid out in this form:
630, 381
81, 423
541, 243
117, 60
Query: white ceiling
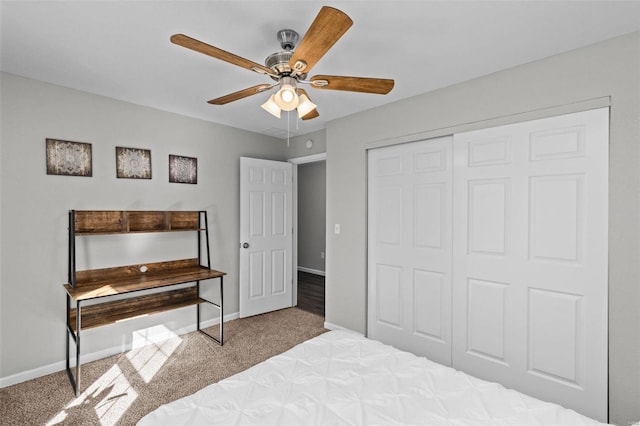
121, 49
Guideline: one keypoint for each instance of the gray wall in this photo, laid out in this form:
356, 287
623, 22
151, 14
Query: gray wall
34, 207
312, 215
559, 84
297, 145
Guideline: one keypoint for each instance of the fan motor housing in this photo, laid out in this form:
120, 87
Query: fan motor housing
279, 63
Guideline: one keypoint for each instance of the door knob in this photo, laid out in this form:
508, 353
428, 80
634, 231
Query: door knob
245, 245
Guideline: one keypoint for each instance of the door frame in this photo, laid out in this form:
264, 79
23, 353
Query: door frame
313, 158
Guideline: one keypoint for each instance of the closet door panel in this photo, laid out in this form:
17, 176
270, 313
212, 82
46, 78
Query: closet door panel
409, 248
486, 316
530, 258
429, 298
488, 212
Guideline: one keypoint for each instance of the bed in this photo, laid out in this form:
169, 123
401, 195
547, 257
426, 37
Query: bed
341, 378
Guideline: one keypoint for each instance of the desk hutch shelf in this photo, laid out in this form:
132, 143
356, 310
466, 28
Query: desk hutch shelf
96, 285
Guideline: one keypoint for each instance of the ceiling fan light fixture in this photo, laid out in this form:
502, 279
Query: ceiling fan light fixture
271, 106
291, 66
287, 98
305, 106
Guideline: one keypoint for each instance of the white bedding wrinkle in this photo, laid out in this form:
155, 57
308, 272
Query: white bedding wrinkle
341, 378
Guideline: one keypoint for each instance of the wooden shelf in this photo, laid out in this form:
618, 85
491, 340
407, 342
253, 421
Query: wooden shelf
101, 222
134, 307
94, 283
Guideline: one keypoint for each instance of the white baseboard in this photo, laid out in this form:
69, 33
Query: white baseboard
311, 271
330, 326
94, 356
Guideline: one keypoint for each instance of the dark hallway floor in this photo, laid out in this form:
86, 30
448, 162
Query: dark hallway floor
311, 292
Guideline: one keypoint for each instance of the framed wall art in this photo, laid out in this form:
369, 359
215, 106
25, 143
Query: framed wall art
183, 169
133, 163
68, 158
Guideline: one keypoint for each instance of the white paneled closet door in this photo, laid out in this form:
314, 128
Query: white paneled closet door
530, 258
409, 247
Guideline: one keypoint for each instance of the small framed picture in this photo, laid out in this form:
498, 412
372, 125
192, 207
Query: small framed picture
68, 158
183, 169
133, 163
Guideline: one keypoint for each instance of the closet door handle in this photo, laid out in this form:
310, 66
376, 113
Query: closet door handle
245, 245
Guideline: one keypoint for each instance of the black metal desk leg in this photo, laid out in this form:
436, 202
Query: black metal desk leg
78, 325
221, 313
219, 306
75, 381
67, 328
198, 306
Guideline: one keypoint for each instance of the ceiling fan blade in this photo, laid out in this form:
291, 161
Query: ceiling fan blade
380, 86
240, 94
324, 32
311, 114
223, 55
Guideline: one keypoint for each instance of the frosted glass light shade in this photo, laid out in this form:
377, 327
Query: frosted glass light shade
287, 95
286, 98
305, 106
271, 106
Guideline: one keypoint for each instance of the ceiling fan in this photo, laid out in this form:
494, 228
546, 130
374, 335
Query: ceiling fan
289, 68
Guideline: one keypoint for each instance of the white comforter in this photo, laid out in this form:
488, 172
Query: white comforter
340, 378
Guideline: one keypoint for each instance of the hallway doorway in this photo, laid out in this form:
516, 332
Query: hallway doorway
310, 232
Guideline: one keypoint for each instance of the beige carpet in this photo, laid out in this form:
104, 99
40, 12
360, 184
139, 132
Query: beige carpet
122, 388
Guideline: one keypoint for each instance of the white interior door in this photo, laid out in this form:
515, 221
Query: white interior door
265, 236
409, 304
530, 258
